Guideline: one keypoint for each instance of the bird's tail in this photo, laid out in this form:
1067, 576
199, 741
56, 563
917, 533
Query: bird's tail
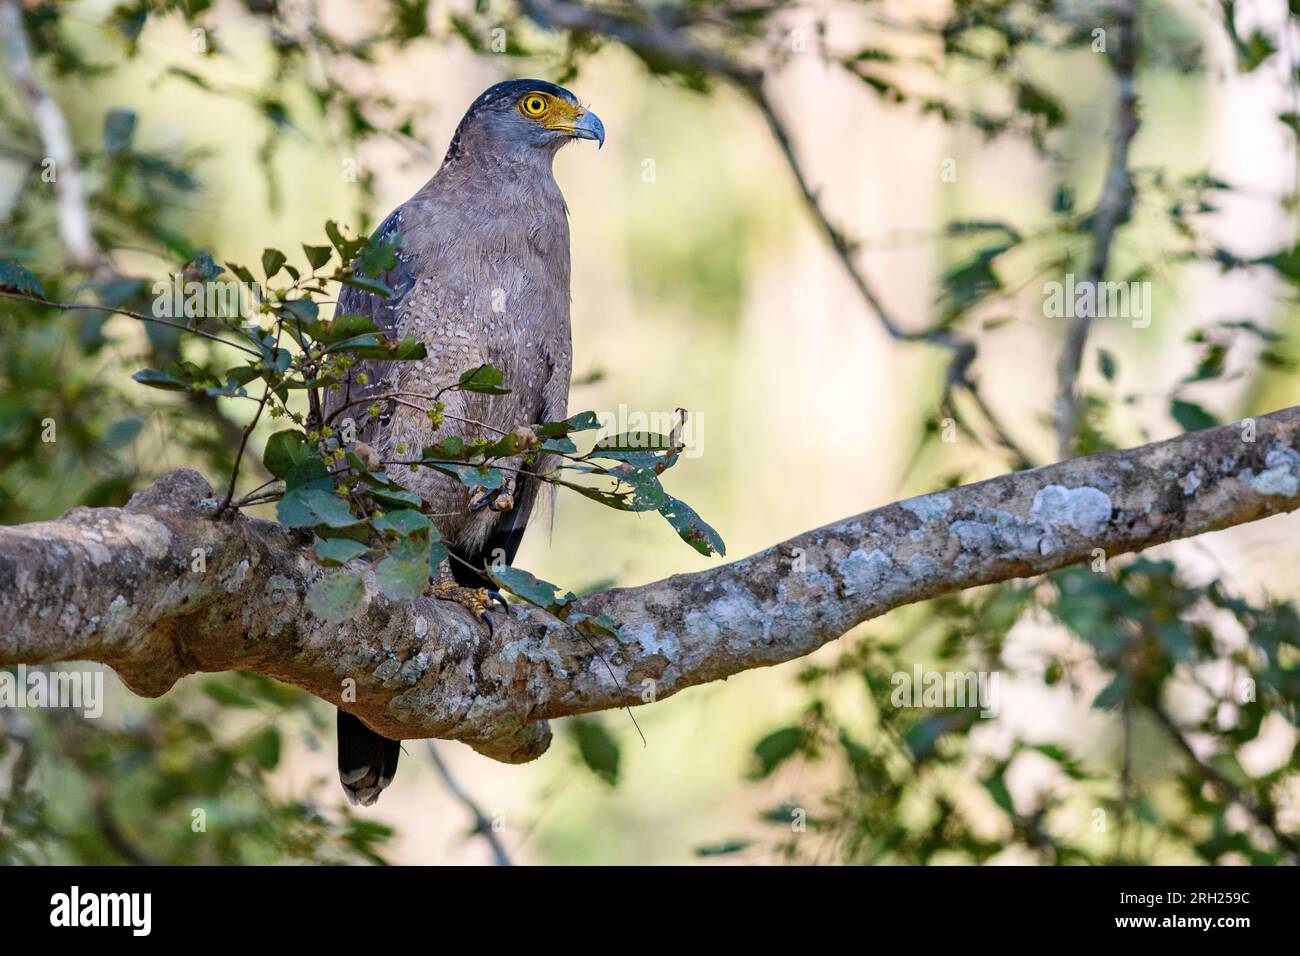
367, 760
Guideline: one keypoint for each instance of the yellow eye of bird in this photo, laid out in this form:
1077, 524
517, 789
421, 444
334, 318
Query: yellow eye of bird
533, 105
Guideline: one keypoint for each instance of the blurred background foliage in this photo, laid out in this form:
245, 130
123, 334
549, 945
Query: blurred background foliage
763, 158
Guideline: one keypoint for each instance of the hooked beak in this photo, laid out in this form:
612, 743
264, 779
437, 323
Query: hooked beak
589, 126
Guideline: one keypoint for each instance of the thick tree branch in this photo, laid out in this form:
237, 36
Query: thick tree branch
124, 587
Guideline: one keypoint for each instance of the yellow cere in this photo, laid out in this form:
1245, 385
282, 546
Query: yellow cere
552, 111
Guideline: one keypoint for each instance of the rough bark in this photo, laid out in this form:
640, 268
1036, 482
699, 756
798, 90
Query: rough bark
119, 586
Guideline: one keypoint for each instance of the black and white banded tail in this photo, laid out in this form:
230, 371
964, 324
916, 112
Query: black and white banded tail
367, 760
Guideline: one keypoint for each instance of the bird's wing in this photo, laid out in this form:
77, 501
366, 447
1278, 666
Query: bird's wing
508, 532
381, 376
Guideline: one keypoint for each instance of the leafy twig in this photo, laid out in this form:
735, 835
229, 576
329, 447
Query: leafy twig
239, 454
1263, 814
138, 316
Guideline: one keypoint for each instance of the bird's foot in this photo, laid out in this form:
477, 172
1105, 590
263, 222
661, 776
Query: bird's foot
499, 499
476, 600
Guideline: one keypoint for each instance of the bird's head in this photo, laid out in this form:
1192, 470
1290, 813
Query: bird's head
523, 119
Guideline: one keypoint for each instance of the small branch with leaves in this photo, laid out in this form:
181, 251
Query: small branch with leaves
326, 482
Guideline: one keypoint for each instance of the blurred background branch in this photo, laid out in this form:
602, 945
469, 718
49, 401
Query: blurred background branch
56, 140
1113, 209
482, 825
928, 168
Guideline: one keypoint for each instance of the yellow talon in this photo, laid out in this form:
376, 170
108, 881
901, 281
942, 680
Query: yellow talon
475, 600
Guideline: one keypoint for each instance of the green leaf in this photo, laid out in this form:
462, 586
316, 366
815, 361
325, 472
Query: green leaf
119, 131
272, 261
1063, 200
507, 446
346, 327
1037, 101
337, 597
606, 498
486, 380
561, 445
1106, 364
309, 506
647, 493
14, 277
1190, 416
396, 497
402, 577
472, 476
1114, 693
346, 247
966, 227
1211, 365
375, 346
243, 374
379, 256
339, 550
370, 344
535, 591
264, 747
157, 379
453, 447
1285, 261
1231, 769
725, 848
317, 256
635, 441
123, 431
182, 377
970, 281
408, 349
403, 522
305, 311
775, 749
1066, 762
1254, 51
366, 284
581, 422
225, 695
997, 789
285, 452
598, 749
692, 529
404, 572
240, 272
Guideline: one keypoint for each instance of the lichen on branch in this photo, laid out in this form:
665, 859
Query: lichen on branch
159, 589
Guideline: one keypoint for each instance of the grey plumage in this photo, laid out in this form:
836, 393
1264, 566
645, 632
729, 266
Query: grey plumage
482, 277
